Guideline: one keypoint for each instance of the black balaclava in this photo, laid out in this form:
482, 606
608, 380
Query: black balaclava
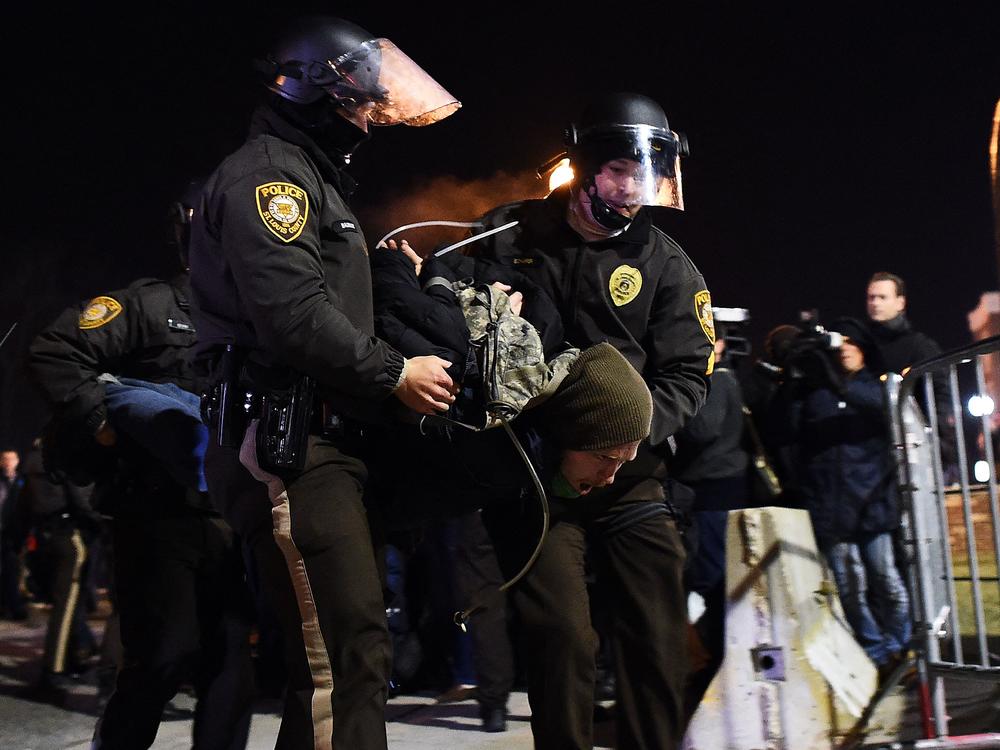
322, 122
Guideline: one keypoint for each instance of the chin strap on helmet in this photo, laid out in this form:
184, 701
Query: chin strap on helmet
602, 212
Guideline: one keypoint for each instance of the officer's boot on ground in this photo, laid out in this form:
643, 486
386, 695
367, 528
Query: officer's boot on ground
494, 718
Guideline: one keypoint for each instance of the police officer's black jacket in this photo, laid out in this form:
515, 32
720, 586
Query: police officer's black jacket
140, 332
712, 445
638, 291
280, 268
143, 331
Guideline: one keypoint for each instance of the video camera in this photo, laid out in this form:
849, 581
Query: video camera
801, 351
814, 336
730, 324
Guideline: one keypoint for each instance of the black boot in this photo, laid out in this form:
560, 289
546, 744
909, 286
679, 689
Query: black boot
494, 718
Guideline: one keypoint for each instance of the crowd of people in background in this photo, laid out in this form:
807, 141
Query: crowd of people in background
233, 538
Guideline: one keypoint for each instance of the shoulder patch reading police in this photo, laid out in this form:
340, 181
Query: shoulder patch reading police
624, 285
283, 208
99, 311
703, 308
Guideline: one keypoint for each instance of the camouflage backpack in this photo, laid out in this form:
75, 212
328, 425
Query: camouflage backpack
509, 353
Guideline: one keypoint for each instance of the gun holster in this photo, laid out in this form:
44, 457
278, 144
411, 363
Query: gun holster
285, 415
227, 406
281, 401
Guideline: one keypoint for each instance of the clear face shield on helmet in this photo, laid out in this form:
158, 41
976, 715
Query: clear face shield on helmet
632, 166
378, 83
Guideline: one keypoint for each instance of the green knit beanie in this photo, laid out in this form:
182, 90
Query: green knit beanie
601, 403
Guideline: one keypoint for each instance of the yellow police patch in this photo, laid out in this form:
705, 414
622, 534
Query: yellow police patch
99, 311
624, 285
703, 308
283, 208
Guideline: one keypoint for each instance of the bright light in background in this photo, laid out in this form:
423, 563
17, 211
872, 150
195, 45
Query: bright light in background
696, 607
562, 174
980, 406
982, 471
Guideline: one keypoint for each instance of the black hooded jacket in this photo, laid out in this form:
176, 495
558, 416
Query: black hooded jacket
420, 316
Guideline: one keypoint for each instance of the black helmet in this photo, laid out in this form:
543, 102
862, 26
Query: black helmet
371, 78
632, 127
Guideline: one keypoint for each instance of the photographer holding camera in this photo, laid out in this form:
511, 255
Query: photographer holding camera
834, 416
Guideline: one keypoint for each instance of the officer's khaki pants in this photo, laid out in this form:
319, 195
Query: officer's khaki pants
309, 533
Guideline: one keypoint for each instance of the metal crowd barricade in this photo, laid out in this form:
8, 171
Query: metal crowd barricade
928, 532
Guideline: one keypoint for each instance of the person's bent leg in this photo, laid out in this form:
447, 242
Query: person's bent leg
477, 574
224, 685
645, 561
155, 584
558, 641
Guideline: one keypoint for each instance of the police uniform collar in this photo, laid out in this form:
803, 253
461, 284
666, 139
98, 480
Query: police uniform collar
637, 232
267, 121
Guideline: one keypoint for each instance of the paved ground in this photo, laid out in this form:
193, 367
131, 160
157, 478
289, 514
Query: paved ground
30, 721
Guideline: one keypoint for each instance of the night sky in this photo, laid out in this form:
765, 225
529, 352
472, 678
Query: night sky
825, 144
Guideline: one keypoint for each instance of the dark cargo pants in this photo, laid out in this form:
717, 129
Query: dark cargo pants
185, 616
641, 568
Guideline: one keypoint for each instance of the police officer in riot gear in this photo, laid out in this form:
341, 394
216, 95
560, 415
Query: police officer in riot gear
614, 277
178, 574
283, 305
616, 133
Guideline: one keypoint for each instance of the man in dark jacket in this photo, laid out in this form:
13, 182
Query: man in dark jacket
838, 421
179, 586
614, 278
898, 347
283, 305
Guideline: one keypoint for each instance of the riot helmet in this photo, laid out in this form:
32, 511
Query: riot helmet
625, 155
369, 78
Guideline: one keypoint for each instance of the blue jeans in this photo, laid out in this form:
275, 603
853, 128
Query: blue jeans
867, 563
165, 420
